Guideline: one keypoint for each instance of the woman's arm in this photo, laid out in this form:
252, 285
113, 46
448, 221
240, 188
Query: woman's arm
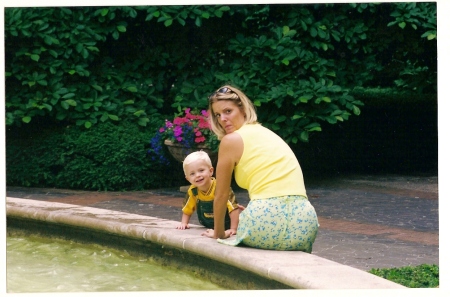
230, 152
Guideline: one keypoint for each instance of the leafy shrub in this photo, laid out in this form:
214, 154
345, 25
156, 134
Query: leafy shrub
422, 276
297, 62
105, 157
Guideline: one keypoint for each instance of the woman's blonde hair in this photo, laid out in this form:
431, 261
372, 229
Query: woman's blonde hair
236, 96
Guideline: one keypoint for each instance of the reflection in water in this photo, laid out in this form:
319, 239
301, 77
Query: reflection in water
39, 264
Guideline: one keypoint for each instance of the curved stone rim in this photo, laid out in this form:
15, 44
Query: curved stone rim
294, 269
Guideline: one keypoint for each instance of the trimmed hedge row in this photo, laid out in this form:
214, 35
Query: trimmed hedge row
395, 134
105, 157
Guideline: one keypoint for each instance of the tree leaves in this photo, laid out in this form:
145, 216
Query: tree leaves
34, 57
298, 63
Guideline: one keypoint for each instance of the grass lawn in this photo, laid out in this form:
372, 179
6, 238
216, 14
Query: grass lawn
422, 276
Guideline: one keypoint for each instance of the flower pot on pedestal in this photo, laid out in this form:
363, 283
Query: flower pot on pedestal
179, 152
192, 127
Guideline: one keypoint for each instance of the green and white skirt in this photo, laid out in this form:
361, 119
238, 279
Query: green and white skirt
287, 223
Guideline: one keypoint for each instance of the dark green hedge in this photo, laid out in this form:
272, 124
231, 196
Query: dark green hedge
297, 62
105, 157
395, 134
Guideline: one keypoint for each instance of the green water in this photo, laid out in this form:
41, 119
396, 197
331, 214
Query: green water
37, 264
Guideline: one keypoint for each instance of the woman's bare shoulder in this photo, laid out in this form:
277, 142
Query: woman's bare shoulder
231, 138
231, 148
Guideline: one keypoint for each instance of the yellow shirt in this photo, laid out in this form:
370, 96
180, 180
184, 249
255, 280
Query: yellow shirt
268, 167
190, 201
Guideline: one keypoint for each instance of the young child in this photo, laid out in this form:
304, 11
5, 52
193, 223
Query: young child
198, 170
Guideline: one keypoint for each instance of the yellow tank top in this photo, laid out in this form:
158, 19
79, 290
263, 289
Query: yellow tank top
268, 167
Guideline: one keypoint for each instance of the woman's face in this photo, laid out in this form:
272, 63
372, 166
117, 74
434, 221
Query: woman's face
228, 115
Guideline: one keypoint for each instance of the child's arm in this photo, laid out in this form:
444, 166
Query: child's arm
184, 222
234, 220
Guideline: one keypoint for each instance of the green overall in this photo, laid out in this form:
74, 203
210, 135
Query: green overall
205, 212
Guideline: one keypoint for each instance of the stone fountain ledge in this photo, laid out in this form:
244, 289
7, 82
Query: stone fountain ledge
297, 270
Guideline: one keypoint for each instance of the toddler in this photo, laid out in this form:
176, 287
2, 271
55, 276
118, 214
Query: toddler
198, 170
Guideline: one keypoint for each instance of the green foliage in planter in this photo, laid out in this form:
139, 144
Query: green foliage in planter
105, 157
422, 276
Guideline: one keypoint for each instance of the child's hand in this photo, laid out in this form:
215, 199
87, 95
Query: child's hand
208, 233
183, 226
231, 231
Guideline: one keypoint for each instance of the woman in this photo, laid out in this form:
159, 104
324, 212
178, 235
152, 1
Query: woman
279, 215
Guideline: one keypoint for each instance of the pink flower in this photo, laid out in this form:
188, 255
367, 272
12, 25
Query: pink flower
179, 121
191, 116
202, 124
200, 139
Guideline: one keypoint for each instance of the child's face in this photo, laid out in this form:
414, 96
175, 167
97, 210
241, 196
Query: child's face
199, 173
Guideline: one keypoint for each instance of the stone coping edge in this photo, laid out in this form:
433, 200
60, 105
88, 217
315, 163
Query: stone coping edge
295, 269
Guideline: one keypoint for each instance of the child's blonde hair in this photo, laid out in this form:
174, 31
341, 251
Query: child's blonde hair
199, 155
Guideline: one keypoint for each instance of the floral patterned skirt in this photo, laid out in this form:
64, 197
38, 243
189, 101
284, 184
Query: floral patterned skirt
286, 223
